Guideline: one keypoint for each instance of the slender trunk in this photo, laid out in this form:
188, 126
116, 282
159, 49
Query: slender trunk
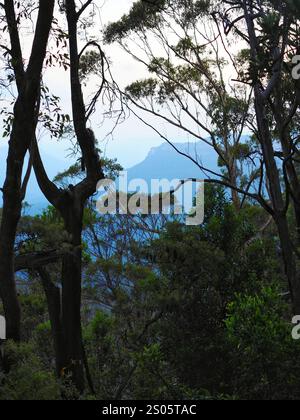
53, 296
11, 213
279, 206
65, 305
289, 262
293, 180
234, 194
278, 203
70, 203
71, 295
23, 129
283, 128
66, 348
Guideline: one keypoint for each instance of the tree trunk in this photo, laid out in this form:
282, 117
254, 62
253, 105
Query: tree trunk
71, 295
293, 180
23, 129
278, 203
289, 262
11, 213
283, 127
261, 97
53, 296
70, 203
65, 305
233, 180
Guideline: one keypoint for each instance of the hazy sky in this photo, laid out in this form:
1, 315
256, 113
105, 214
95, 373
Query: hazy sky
132, 140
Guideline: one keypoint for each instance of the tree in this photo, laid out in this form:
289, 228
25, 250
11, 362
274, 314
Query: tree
186, 72
169, 311
30, 112
26, 110
187, 87
269, 29
165, 297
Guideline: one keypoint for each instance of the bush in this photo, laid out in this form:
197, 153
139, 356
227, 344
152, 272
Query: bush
27, 379
265, 358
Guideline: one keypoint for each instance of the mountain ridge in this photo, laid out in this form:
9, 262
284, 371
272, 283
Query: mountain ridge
162, 162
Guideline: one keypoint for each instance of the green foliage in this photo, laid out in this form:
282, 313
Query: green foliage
110, 167
265, 358
166, 335
27, 380
148, 14
227, 113
192, 312
34, 311
141, 14
90, 64
255, 323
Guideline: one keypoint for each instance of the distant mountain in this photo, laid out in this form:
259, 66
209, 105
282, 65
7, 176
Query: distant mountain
165, 162
162, 162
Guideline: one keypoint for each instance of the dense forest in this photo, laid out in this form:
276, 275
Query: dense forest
147, 307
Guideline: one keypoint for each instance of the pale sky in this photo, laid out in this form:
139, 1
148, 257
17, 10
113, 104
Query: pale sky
132, 140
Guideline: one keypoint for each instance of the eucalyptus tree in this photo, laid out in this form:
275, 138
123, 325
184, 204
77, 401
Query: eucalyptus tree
24, 120
70, 202
58, 27
184, 45
189, 66
270, 30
